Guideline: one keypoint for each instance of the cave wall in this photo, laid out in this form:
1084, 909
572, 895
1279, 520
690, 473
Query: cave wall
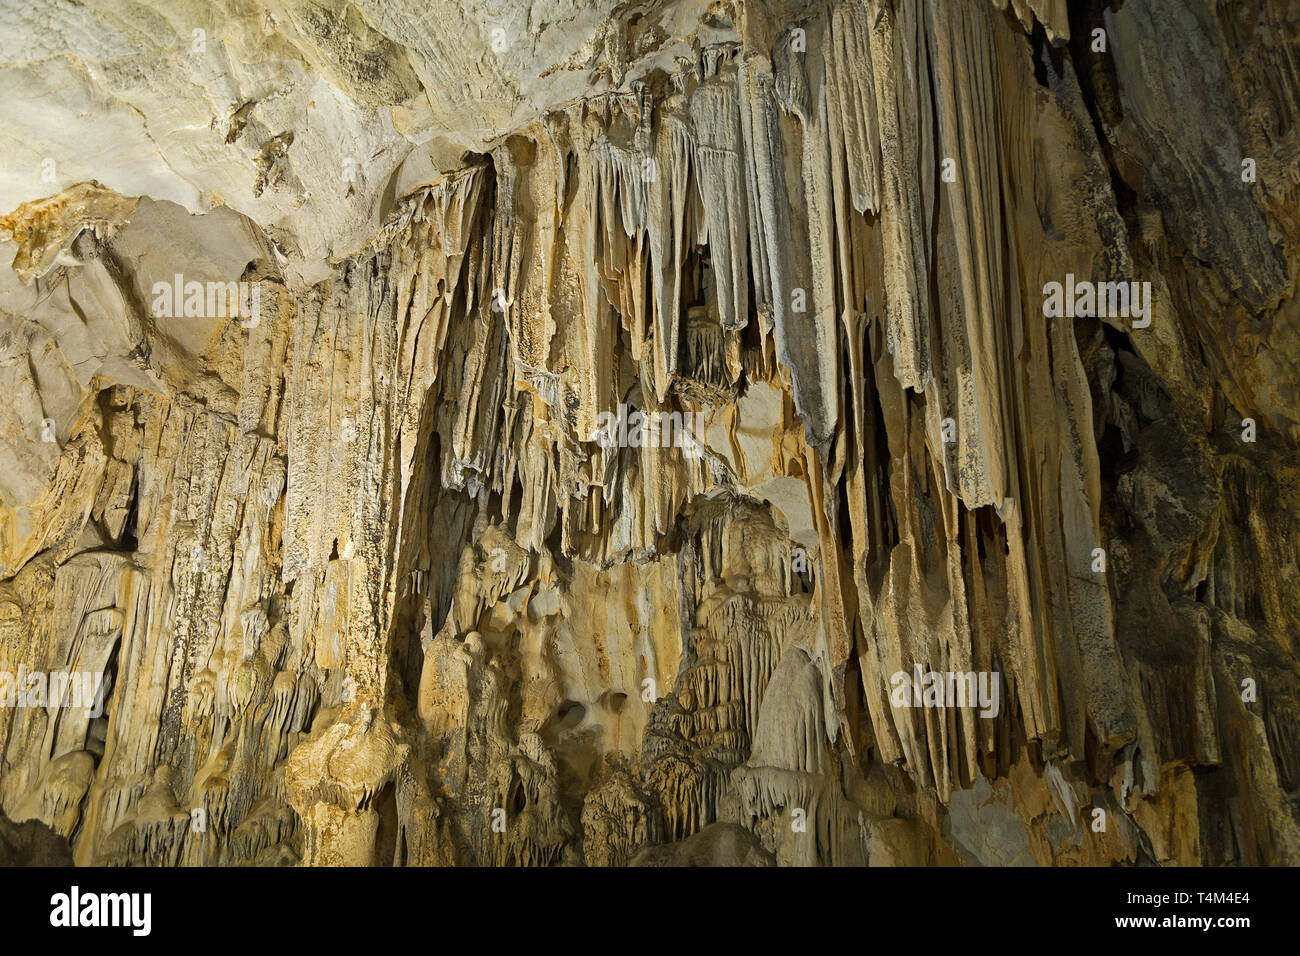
369, 585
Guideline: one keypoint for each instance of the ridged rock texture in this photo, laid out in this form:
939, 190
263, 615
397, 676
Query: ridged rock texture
367, 580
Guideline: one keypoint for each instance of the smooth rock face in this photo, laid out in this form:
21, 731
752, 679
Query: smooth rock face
572, 433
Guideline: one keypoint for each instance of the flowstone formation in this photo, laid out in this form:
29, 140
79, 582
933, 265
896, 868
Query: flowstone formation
651, 434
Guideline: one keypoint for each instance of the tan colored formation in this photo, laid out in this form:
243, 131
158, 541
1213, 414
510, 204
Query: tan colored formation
369, 592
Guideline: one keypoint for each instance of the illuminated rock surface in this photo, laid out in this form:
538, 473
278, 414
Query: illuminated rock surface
369, 586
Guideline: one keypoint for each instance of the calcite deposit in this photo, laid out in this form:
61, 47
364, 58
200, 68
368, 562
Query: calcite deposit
650, 433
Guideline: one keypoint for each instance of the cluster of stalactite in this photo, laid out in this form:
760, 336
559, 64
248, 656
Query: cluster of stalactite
388, 600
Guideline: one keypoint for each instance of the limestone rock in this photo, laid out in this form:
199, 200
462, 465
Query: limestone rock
807, 432
31, 844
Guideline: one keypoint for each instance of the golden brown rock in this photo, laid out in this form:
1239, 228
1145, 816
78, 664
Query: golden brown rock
838, 433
